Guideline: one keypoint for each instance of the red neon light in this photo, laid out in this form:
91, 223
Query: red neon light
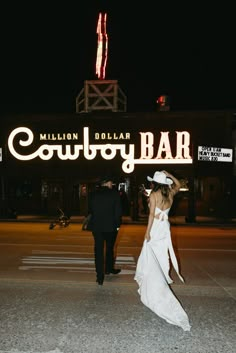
102, 48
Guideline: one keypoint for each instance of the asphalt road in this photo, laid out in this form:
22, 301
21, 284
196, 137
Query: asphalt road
35, 250
51, 303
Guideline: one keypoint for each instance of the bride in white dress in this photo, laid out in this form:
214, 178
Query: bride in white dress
153, 266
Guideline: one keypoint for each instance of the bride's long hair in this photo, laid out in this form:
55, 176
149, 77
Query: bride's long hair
165, 190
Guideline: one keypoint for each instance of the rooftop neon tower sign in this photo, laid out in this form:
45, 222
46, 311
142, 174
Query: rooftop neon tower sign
102, 46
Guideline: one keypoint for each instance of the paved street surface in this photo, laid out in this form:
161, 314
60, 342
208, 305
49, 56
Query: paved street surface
49, 301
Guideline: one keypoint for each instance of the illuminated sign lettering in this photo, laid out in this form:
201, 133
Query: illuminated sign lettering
215, 154
59, 137
108, 151
102, 47
182, 144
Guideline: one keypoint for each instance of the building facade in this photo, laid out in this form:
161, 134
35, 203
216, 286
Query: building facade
51, 161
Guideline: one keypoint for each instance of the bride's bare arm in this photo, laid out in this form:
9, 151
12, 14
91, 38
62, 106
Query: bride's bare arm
152, 205
176, 185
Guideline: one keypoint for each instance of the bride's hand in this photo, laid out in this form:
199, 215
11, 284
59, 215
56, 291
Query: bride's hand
147, 236
165, 172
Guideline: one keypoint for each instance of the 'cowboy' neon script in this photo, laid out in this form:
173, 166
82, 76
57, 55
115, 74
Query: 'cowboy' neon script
108, 151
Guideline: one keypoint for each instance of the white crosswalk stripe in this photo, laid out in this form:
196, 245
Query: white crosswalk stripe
80, 263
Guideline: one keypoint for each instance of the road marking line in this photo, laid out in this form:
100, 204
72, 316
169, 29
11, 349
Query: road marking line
72, 269
60, 252
24, 268
37, 262
222, 250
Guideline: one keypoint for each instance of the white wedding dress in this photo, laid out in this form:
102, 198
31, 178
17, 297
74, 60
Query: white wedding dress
152, 273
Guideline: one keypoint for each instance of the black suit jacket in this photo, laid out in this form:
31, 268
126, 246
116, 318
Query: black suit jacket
105, 207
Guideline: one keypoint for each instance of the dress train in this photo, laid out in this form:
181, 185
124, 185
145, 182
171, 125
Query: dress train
152, 274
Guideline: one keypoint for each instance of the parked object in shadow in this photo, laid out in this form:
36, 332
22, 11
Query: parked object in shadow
11, 213
62, 220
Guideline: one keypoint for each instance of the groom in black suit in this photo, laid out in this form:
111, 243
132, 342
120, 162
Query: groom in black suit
106, 211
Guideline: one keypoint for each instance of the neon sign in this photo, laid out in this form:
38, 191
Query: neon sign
102, 46
109, 151
215, 154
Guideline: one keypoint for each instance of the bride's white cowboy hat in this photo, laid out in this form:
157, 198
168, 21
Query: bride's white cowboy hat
160, 178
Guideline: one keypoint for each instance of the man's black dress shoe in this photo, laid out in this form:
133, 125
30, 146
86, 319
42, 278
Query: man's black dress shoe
100, 280
114, 271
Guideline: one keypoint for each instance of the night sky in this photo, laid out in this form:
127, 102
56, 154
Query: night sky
184, 51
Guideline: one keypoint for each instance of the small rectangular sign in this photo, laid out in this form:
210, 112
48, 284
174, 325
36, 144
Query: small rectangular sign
215, 154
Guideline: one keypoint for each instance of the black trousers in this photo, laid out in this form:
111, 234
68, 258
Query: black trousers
101, 239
